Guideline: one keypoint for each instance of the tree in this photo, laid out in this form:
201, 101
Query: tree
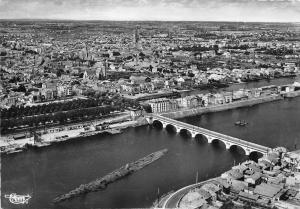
59, 72
21, 88
228, 205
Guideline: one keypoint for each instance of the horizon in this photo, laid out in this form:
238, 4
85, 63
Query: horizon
103, 20
153, 10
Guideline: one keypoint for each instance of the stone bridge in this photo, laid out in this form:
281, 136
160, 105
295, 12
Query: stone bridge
229, 141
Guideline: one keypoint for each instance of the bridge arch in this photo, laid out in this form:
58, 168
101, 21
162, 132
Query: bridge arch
171, 128
184, 132
157, 123
201, 138
255, 155
237, 148
218, 141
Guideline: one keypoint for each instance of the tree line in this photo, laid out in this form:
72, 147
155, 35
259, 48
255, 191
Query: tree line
61, 113
78, 115
21, 111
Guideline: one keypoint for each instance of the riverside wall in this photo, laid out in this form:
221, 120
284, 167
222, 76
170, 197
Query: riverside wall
222, 107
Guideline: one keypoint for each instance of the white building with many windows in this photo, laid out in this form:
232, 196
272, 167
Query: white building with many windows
162, 105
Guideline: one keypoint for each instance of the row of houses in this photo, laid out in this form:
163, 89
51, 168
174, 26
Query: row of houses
205, 100
274, 179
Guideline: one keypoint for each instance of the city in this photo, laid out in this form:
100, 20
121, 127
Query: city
149, 114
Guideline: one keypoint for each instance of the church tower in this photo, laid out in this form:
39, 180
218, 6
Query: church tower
137, 37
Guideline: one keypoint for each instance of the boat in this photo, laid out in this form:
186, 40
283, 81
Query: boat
241, 123
14, 151
101, 183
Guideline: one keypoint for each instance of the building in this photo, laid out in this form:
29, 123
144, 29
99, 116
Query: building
190, 101
135, 113
162, 105
268, 191
64, 90
47, 94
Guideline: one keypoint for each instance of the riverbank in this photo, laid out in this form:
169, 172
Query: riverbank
8, 145
216, 108
12, 146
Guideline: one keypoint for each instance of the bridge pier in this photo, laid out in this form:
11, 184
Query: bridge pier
149, 120
178, 129
247, 151
228, 145
209, 139
164, 125
194, 134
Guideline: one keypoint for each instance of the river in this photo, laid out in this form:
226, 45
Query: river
47, 172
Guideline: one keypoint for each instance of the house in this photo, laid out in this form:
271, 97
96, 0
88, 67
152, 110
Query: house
248, 196
209, 99
50, 84
130, 88
135, 113
227, 97
237, 186
47, 94
190, 101
239, 95
139, 79
64, 90
254, 179
213, 190
147, 86
267, 190
254, 167
293, 180
219, 99
233, 174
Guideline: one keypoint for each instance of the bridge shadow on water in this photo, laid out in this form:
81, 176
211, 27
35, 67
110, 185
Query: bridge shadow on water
217, 144
237, 150
157, 124
171, 130
185, 134
201, 139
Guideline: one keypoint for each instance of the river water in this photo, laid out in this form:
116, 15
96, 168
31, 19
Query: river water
47, 172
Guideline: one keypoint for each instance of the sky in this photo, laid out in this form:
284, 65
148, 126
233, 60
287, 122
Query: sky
162, 10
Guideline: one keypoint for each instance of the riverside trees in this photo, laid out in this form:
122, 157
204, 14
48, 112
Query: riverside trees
60, 113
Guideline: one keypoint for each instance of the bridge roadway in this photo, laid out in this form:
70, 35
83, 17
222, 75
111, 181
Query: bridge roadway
229, 141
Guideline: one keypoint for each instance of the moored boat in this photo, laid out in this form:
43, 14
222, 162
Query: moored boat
241, 123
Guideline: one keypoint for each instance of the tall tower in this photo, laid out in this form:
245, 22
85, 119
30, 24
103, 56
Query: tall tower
86, 52
137, 36
104, 72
